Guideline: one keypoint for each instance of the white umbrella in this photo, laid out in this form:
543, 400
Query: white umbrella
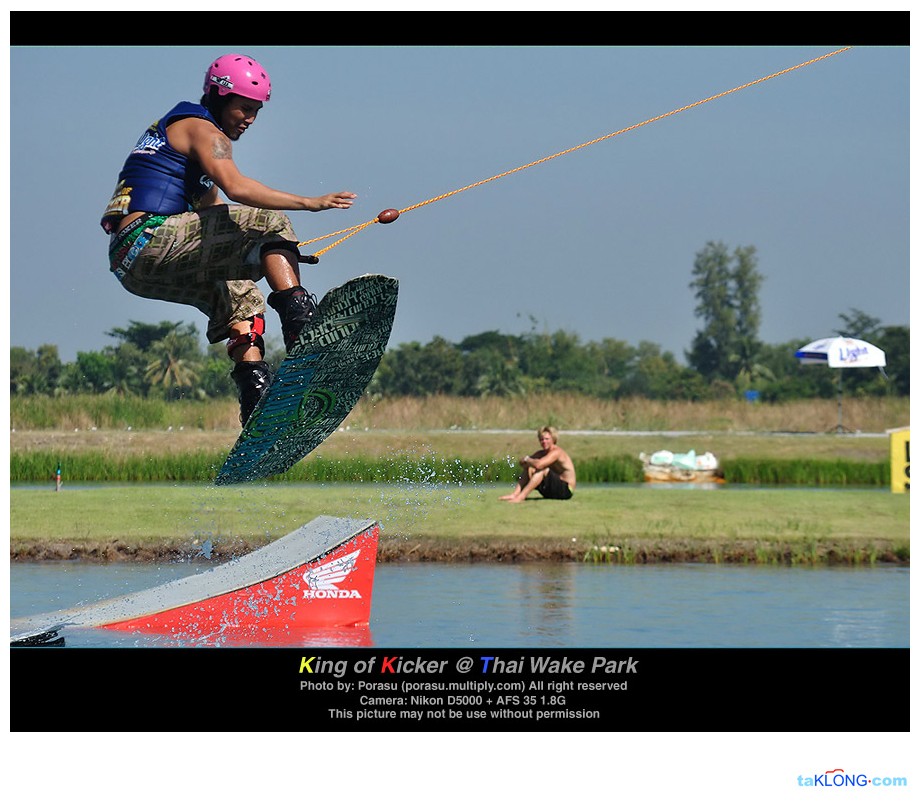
839, 352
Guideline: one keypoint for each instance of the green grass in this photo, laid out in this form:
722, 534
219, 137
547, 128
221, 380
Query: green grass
808, 472
431, 471
36, 466
782, 524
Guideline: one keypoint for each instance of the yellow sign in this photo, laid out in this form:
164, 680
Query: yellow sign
900, 460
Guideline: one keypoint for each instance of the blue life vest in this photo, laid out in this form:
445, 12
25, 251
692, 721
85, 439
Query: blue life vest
156, 178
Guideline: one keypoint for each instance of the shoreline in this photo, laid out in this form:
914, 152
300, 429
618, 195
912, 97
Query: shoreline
435, 550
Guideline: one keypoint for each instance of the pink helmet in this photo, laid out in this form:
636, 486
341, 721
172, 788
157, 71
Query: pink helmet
241, 75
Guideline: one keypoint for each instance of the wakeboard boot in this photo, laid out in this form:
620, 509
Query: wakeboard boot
252, 380
296, 307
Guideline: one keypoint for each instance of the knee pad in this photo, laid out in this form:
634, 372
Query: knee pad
253, 258
273, 246
253, 337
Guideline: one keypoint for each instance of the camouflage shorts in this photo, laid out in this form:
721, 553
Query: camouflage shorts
209, 259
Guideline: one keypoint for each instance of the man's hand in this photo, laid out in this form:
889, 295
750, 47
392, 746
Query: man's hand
339, 201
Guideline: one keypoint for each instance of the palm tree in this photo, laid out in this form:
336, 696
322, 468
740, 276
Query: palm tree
176, 366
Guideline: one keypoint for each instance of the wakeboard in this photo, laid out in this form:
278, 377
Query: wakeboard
319, 382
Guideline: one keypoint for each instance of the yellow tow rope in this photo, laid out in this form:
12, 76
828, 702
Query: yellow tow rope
390, 215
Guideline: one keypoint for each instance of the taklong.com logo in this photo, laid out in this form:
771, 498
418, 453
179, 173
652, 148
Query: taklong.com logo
839, 777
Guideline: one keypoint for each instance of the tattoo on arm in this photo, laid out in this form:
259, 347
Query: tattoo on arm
221, 149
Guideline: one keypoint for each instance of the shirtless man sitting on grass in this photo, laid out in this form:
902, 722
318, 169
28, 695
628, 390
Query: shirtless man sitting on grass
549, 471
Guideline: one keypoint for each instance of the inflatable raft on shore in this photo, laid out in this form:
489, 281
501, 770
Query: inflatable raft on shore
665, 466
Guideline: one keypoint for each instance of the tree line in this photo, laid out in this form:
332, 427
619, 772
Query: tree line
726, 358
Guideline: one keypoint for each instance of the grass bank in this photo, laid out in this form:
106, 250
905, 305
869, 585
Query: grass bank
467, 522
437, 467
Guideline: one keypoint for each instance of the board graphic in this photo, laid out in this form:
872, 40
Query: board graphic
319, 382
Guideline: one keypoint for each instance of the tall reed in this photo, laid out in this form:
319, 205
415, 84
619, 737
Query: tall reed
810, 472
100, 466
568, 412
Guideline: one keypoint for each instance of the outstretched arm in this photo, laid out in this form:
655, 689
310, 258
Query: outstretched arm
200, 140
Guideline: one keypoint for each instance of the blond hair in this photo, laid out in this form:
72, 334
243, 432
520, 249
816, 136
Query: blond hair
548, 429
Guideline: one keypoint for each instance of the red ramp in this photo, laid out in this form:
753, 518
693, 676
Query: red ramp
319, 577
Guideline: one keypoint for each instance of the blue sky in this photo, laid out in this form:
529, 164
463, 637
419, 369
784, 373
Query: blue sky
811, 168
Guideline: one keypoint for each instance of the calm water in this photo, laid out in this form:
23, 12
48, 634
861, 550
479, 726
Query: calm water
541, 605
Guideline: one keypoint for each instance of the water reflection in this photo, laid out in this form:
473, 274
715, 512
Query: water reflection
546, 605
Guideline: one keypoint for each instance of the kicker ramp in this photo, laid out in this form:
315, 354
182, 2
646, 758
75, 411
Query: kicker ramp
319, 576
